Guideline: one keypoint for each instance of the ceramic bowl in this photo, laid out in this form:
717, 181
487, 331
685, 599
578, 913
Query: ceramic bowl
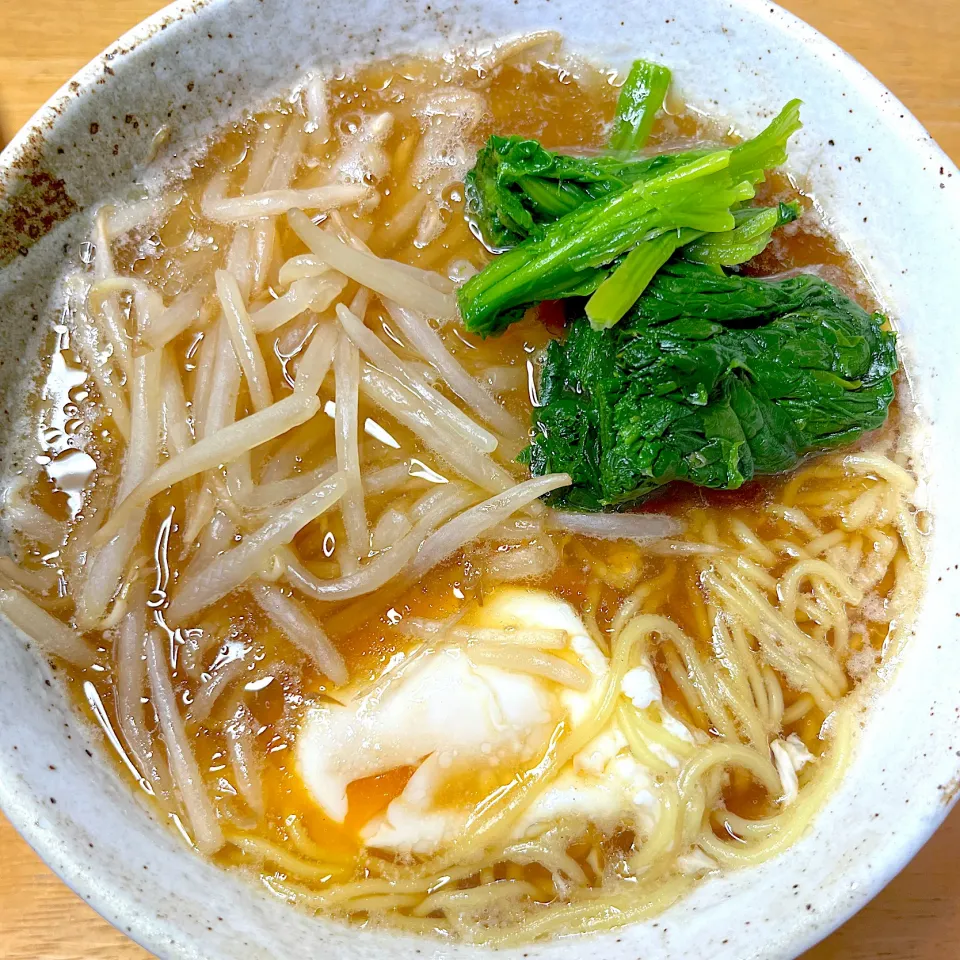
889, 193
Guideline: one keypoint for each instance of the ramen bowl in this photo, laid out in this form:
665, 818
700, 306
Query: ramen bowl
892, 198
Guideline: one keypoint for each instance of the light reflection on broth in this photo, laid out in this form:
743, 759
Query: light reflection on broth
825, 557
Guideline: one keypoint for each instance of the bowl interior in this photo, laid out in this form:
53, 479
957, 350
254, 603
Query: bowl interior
874, 171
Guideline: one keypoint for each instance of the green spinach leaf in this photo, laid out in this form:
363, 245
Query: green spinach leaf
711, 379
641, 98
584, 218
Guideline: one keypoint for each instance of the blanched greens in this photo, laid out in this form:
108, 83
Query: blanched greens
517, 186
673, 368
570, 224
711, 379
641, 98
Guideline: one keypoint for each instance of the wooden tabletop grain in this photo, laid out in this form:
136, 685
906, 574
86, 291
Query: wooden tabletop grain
914, 48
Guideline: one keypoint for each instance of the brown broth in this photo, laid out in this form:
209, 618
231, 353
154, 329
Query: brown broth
571, 109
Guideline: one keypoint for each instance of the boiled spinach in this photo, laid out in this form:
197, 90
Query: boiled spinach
713, 379
565, 225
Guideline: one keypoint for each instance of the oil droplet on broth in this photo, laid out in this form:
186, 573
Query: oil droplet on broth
419, 469
329, 544
69, 469
162, 561
373, 429
70, 473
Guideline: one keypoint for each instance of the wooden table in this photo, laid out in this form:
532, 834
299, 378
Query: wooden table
914, 48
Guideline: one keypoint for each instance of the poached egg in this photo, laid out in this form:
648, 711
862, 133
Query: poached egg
467, 728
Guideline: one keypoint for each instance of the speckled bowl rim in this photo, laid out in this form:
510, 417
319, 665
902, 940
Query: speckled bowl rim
21, 809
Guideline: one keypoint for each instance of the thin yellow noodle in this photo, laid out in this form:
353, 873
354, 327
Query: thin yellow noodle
664, 839
822, 471
798, 709
753, 671
753, 544
690, 783
744, 829
632, 731
836, 506
654, 732
864, 509
788, 632
593, 914
756, 573
678, 673
793, 822
875, 564
339, 896
420, 926
739, 697
789, 585
909, 532
383, 902
646, 588
589, 617
822, 544
831, 502
774, 698
788, 548
790, 661
872, 464
447, 899
837, 621
697, 609
796, 518
259, 848
695, 676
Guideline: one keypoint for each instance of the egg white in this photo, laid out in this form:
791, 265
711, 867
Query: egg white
446, 715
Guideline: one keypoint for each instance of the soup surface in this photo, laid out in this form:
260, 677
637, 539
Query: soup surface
501, 730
